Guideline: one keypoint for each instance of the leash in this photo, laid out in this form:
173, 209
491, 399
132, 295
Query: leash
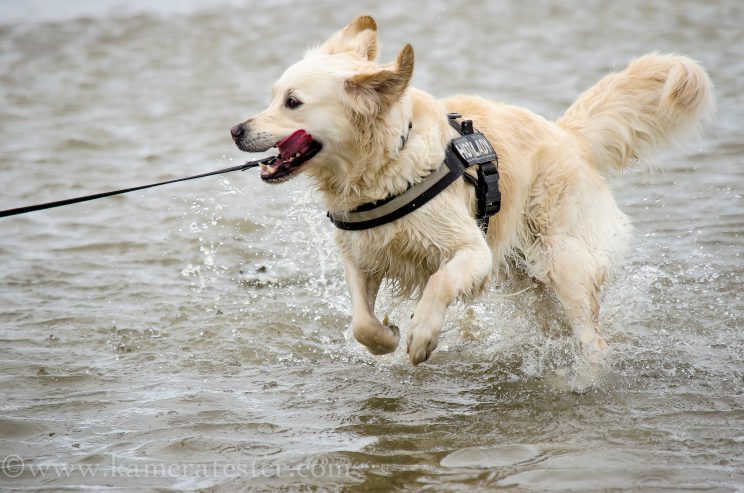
60, 203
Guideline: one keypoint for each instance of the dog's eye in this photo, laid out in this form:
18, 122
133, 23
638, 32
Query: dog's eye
292, 103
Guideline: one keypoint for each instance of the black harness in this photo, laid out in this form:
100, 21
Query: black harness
470, 149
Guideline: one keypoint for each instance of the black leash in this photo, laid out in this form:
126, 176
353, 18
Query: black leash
60, 203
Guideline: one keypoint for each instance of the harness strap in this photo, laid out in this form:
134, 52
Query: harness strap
487, 192
468, 150
388, 210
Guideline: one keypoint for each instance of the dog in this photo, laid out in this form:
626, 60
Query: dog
363, 134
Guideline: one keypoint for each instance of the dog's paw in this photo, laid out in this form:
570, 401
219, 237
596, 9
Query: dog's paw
594, 350
601, 343
423, 336
420, 348
377, 338
596, 343
393, 339
590, 339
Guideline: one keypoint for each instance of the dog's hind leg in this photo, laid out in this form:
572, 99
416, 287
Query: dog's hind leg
464, 275
367, 329
576, 276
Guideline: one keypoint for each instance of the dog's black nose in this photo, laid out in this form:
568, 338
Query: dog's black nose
237, 130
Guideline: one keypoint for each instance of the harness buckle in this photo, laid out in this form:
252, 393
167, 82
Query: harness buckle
487, 183
467, 127
464, 128
489, 200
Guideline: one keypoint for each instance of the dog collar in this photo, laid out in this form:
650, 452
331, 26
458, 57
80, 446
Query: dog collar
470, 149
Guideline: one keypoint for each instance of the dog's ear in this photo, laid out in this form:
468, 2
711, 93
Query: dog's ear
359, 37
374, 91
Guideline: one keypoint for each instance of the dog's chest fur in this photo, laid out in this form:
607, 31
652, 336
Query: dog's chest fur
402, 256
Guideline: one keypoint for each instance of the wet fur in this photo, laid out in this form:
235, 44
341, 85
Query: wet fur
559, 222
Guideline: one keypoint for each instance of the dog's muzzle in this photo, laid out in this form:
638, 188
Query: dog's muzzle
237, 131
294, 150
249, 140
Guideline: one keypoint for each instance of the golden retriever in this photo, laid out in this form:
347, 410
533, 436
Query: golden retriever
363, 134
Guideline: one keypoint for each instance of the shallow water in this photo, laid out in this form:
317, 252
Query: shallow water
196, 337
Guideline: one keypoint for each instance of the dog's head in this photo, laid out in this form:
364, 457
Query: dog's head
324, 109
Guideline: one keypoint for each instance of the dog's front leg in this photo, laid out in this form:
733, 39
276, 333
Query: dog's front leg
367, 329
465, 274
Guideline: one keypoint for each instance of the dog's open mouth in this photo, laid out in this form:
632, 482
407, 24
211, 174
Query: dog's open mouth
294, 150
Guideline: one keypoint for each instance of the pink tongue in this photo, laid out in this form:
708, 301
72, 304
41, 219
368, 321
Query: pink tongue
299, 141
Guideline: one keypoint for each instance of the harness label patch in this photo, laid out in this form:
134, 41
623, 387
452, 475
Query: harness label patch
474, 149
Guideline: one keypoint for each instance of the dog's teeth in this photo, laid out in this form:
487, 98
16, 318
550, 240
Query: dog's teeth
297, 154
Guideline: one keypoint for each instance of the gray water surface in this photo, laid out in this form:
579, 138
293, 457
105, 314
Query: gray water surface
195, 337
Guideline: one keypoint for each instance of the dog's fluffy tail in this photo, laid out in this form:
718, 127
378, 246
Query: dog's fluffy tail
657, 101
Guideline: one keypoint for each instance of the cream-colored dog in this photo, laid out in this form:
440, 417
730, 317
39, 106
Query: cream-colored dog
559, 222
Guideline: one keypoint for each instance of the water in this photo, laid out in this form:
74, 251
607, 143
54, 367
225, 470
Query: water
196, 337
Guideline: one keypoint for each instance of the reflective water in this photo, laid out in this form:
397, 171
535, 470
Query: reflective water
196, 336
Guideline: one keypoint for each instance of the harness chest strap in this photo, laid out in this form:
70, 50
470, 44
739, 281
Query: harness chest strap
471, 149
388, 210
